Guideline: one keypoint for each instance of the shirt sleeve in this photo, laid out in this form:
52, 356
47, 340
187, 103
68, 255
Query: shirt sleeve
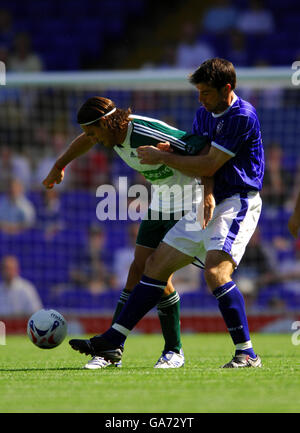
233, 134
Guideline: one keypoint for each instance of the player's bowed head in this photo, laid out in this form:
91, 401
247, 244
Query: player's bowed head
102, 122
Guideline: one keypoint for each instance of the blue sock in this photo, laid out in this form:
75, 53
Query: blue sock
232, 307
143, 298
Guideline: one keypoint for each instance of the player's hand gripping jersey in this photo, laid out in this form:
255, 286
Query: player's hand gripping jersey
144, 131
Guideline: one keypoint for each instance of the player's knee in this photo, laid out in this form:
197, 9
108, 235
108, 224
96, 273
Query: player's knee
211, 276
135, 273
216, 276
218, 269
155, 268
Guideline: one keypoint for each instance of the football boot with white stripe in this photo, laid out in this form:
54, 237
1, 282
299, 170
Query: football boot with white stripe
170, 359
98, 362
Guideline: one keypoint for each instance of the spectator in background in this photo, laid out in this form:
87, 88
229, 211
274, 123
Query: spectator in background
17, 213
220, 18
168, 57
237, 50
191, 51
13, 165
6, 29
49, 214
23, 58
18, 296
278, 181
90, 270
256, 20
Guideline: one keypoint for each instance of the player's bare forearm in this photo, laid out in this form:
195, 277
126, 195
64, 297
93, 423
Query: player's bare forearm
193, 166
78, 147
208, 183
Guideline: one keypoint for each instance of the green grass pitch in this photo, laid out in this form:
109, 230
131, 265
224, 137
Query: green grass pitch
34, 380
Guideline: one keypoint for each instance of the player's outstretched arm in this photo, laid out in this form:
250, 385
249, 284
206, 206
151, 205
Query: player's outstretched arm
294, 221
80, 145
55, 175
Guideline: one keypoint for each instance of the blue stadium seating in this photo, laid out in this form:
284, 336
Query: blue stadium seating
76, 27
98, 23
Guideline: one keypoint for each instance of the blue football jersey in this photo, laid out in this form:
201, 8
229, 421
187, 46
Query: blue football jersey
237, 132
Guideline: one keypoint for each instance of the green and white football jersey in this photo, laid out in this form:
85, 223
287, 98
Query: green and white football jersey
172, 190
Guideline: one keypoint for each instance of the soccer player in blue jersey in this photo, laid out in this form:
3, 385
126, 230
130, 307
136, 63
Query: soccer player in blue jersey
236, 160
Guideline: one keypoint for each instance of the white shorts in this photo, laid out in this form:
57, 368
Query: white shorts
234, 222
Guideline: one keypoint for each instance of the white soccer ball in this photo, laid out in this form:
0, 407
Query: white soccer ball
47, 328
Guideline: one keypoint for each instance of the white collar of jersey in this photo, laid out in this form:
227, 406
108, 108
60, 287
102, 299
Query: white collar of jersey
227, 109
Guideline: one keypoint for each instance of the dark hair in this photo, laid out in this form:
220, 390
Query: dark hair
97, 107
216, 72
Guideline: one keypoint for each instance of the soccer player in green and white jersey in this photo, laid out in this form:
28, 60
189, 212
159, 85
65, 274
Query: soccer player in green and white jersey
102, 122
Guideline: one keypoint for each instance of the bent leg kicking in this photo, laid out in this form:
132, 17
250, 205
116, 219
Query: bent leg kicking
168, 311
144, 297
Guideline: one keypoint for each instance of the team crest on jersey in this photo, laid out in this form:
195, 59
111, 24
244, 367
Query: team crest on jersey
219, 127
